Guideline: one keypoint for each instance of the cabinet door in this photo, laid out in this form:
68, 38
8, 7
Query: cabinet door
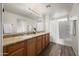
47, 39
44, 39
31, 48
39, 44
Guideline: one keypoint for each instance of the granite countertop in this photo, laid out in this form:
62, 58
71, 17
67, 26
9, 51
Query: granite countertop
11, 40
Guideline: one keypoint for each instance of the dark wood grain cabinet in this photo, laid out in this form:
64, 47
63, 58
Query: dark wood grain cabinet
28, 47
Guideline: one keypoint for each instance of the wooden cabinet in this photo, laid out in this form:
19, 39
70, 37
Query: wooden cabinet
31, 47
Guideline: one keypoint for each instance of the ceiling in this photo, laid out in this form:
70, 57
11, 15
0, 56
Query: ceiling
36, 10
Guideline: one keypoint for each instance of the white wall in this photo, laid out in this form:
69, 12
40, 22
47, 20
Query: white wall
11, 18
1, 30
75, 40
78, 35
75, 13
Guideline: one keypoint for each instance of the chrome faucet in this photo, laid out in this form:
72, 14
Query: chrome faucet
34, 30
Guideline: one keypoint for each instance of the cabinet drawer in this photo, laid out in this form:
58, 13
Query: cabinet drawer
5, 51
30, 40
19, 52
14, 47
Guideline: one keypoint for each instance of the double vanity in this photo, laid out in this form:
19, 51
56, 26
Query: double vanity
25, 45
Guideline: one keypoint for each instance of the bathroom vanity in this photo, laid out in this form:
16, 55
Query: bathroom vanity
26, 45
